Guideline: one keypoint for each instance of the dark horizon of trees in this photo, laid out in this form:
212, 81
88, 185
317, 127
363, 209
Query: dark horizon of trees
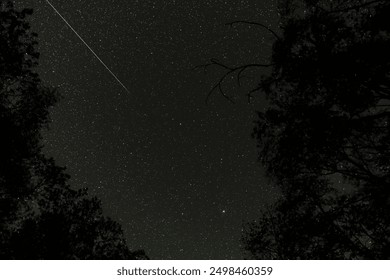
41, 215
324, 137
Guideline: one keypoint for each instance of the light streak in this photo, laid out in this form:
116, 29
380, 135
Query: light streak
85, 43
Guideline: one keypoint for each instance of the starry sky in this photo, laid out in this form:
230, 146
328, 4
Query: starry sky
180, 175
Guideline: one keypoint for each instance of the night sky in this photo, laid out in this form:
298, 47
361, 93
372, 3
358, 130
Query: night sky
180, 175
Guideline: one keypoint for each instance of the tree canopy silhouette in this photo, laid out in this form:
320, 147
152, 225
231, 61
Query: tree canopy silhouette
41, 216
325, 136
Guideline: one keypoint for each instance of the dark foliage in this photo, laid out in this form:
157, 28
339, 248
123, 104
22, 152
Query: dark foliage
325, 137
41, 216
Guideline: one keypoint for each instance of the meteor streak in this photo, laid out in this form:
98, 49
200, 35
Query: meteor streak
85, 43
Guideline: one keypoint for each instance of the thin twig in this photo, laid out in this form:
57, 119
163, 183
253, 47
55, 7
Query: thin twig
254, 23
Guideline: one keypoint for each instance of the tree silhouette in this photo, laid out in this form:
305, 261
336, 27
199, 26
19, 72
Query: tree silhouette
41, 216
325, 137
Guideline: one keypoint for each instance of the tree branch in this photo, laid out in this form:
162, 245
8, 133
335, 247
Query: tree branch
253, 23
229, 71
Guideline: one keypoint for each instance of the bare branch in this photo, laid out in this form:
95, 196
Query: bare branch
229, 72
258, 88
254, 23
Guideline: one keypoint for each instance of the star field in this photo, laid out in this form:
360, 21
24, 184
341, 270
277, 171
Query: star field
181, 176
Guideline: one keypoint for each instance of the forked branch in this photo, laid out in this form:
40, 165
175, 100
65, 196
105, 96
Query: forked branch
229, 71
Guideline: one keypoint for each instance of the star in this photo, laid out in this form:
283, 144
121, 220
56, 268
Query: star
138, 152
